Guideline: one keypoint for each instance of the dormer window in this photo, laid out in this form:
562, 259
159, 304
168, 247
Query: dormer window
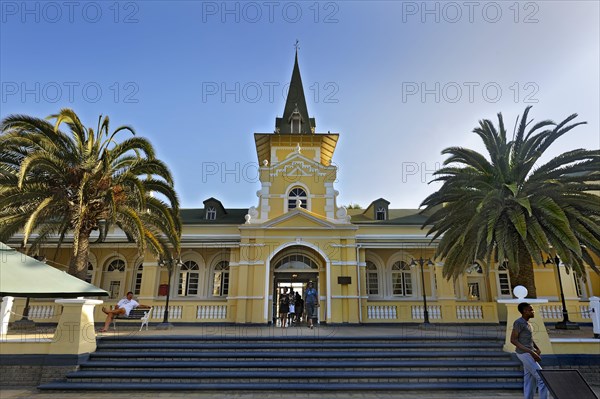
297, 194
211, 213
380, 213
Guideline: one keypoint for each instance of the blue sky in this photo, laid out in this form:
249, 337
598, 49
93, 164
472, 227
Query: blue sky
400, 81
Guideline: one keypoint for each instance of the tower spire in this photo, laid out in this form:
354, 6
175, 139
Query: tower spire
295, 114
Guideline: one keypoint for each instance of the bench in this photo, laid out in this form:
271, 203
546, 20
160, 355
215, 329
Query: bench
138, 313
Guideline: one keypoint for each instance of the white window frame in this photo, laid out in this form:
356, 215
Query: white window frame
407, 279
373, 276
90, 273
291, 200
211, 213
502, 273
380, 211
188, 270
137, 281
220, 271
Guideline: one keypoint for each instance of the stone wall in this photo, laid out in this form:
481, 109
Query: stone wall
31, 375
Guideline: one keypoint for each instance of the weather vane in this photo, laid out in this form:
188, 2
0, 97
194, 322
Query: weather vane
297, 45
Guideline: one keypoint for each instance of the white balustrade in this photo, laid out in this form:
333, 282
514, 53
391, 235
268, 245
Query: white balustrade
175, 312
551, 311
469, 312
378, 312
41, 312
211, 312
586, 311
434, 311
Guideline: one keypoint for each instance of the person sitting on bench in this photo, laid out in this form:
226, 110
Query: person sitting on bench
124, 306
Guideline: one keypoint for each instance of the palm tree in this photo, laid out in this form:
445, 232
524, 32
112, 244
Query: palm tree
55, 184
506, 208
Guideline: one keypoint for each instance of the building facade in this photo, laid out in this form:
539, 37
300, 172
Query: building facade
371, 265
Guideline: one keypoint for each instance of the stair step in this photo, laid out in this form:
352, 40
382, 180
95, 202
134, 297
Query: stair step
316, 338
278, 364
322, 363
235, 356
281, 386
372, 346
150, 374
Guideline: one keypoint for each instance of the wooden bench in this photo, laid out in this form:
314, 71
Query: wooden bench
138, 313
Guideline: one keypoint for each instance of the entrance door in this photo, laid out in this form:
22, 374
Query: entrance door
288, 282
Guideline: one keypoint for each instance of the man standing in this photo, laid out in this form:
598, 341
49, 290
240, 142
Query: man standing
528, 352
124, 306
311, 302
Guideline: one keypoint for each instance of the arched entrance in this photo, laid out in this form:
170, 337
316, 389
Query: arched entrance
292, 269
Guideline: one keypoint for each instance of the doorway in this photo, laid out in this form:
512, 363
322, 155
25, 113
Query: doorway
287, 283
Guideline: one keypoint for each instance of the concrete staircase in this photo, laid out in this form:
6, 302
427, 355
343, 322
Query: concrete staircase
295, 363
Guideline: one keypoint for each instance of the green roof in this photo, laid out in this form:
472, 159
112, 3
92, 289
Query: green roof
399, 217
198, 216
23, 276
406, 217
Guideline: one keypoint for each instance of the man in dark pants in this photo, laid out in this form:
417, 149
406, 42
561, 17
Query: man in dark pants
528, 352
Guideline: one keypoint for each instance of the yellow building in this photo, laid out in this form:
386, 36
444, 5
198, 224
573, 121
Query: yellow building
369, 265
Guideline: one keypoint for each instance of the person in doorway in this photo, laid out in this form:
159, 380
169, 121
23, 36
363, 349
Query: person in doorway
311, 302
284, 307
528, 352
124, 306
299, 303
292, 309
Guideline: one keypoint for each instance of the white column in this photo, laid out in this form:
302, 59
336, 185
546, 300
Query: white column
7, 303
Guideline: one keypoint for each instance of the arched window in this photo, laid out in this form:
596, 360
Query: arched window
211, 213
295, 262
380, 213
137, 286
372, 279
189, 276
504, 285
580, 287
114, 277
221, 279
296, 194
89, 277
401, 279
116, 265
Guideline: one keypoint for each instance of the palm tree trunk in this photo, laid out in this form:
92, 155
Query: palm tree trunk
525, 277
79, 260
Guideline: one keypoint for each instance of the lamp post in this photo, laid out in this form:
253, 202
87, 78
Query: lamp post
565, 324
169, 263
421, 263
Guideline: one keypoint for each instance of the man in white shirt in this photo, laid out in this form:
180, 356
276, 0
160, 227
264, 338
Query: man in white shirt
124, 306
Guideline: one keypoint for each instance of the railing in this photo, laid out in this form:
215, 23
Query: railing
469, 312
175, 312
585, 311
551, 312
441, 311
577, 313
211, 312
434, 311
382, 312
41, 312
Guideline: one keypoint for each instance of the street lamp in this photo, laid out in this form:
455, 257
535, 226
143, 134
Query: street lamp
421, 263
565, 324
169, 263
